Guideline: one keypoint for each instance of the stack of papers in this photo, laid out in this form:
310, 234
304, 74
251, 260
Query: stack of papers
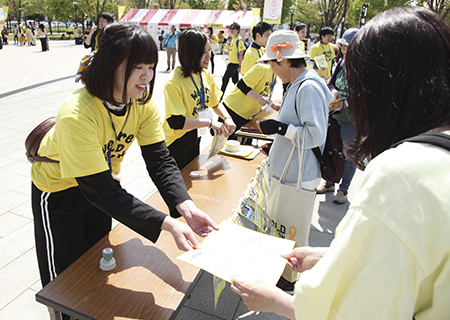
245, 152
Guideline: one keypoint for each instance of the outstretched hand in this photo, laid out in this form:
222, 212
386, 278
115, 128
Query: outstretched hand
261, 296
304, 258
199, 221
181, 233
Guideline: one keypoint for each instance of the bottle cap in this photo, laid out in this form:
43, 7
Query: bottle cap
194, 174
107, 254
107, 262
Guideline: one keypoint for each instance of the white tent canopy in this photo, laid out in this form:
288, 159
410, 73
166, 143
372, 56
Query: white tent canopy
157, 20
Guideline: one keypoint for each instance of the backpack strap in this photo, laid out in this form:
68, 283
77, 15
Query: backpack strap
237, 48
315, 150
165, 45
441, 140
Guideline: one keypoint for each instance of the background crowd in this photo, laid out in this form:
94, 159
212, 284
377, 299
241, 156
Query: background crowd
348, 79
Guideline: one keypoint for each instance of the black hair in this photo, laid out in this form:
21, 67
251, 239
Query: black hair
324, 31
294, 63
394, 92
235, 25
191, 46
118, 43
260, 28
211, 29
299, 26
107, 16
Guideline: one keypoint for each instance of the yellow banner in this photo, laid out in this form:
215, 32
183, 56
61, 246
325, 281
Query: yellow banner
3, 13
256, 16
121, 10
272, 11
215, 25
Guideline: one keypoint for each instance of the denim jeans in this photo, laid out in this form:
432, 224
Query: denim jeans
348, 131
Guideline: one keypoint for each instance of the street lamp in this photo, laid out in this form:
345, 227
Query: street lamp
76, 10
292, 8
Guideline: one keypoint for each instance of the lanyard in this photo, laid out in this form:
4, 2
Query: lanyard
272, 85
257, 50
202, 92
323, 48
115, 133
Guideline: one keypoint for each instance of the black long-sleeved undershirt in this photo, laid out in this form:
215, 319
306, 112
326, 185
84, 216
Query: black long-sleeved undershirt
243, 87
102, 191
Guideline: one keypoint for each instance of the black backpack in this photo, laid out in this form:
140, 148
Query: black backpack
332, 160
246, 44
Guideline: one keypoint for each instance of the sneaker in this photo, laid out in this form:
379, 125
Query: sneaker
341, 197
286, 286
168, 69
325, 187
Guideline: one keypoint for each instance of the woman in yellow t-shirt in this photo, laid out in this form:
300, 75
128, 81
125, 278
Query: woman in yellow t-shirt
190, 95
302, 30
75, 196
212, 39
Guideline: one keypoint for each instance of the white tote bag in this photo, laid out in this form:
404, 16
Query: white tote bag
215, 48
291, 207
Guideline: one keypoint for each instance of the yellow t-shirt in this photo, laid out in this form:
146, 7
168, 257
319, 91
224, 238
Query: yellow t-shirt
251, 55
182, 98
261, 79
302, 46
213, 39
326, 49
81, 138
233, 54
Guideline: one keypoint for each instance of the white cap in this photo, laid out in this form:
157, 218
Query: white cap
283, 44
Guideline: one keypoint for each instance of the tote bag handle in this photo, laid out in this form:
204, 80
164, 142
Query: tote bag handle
300, 160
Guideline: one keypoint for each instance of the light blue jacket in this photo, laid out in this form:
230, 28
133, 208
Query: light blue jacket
313, 99
170, 43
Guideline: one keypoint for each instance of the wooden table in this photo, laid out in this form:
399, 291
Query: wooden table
148, 282
266, 113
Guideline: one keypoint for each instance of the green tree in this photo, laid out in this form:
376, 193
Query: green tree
15, 9
375, 7
320, 13
60, 10
307, 12
245, 4
140, 4
440, 6
170, 4
92, 9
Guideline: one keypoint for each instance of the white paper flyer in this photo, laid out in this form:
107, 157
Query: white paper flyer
236, 251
